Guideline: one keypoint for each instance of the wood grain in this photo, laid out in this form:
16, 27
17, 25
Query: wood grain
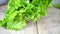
50, 24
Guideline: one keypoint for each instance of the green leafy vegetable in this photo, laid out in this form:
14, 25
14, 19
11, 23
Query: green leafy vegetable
21, 11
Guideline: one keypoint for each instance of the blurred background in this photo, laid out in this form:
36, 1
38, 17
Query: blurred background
56, 1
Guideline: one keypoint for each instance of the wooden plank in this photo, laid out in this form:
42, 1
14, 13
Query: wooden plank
50, 24
41, 29
30, 28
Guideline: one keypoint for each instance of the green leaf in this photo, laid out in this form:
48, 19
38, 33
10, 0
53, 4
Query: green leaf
21, 11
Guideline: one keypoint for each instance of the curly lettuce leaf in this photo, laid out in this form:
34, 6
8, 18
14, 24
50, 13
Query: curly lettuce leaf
21, 11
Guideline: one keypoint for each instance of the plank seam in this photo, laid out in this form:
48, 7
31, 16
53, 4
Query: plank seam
37, 27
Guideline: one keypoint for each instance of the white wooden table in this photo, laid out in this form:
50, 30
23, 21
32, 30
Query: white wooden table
49, 24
